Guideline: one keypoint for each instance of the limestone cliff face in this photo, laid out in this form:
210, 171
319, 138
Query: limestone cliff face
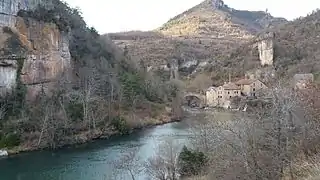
266, 52
46, 53
266, 49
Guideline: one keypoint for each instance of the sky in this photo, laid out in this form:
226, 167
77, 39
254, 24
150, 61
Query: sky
126, 15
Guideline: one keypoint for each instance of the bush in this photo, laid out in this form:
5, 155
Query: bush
120, 125
75, 111
9, 140
132, 84
191, 162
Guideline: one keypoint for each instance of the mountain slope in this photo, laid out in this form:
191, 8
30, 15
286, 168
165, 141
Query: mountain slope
198, 38
214, 18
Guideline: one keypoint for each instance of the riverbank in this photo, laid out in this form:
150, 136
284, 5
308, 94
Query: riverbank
98, 134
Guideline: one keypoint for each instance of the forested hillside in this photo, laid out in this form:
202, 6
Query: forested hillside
104, 92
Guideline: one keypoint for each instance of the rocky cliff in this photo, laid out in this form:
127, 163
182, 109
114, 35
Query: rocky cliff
264, 44
34, 53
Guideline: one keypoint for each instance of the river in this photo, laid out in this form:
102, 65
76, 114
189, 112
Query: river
95, 161
92, 161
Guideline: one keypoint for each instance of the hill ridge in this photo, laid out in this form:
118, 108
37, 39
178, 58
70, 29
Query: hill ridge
215, 18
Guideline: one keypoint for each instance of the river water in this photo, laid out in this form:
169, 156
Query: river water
92, 161
96, 160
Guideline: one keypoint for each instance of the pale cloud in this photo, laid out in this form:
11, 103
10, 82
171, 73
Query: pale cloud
124, 15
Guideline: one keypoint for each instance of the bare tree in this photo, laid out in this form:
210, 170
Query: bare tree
258, 145
205, 133
200, 83
164, 165
130, 162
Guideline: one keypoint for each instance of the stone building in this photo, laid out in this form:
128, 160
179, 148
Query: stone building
212, 96
250, 87
221, 96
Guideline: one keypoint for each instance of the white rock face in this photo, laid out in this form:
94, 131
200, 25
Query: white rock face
189, 64
266, 52
8, 78
3, 153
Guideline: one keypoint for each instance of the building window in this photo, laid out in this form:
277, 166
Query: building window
228, 92
254, 89
230, 96
254, 84
254, 94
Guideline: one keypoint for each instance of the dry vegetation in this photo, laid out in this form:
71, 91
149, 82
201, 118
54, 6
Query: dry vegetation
295, 45
202, 33
222, 22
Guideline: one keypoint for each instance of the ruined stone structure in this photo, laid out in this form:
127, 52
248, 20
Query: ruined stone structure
47, 54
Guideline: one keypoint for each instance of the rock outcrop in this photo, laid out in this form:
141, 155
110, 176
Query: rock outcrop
216, 4
35, 54
266, 49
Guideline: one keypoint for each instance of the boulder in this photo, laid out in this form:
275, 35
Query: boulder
3, 153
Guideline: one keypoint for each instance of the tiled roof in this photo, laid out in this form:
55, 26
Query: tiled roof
231, 86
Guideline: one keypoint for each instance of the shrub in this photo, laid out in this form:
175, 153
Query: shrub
132, 85
120, 125
191, 162
9, 140
75, 111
